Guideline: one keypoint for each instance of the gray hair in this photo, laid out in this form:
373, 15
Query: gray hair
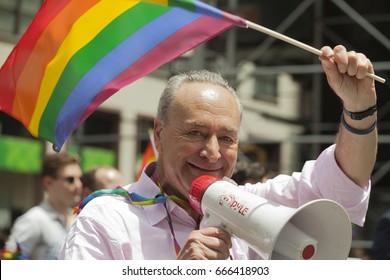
175, 82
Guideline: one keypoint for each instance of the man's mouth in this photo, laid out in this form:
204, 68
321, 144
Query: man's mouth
206, 170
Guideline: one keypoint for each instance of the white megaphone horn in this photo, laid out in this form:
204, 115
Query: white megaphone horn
317, 230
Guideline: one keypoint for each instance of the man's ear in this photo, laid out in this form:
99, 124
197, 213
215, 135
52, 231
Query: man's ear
158, 126
47, 182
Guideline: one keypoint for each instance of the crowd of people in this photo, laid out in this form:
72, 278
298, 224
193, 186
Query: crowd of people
196, 133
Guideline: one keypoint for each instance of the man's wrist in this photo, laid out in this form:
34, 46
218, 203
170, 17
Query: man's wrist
356, 130
362, 114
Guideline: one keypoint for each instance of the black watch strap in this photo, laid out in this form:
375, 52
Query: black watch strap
361, 115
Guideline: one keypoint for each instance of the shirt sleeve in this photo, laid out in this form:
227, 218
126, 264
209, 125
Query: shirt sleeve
89, 239
26, 233
97, 234
322, 178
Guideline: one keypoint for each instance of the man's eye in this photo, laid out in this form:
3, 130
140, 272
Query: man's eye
227, 139
194, 133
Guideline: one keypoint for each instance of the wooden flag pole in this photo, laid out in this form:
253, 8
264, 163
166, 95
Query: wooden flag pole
298, 44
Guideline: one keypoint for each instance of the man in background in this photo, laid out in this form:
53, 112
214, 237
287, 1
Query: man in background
100, 177
38, 233
251, 172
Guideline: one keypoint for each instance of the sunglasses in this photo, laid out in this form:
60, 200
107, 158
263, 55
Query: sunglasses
68, 179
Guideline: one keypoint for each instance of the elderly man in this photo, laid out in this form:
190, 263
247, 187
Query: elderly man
196, 133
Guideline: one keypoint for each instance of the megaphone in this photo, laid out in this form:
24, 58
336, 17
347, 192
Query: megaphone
318, 230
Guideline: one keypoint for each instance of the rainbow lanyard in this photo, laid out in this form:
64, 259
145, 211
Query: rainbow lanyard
137, 199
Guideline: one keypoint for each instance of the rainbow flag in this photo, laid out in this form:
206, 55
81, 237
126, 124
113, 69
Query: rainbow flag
77, 53
148, 156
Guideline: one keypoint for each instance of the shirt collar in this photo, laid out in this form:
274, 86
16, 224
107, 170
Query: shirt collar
53, 214
146, 187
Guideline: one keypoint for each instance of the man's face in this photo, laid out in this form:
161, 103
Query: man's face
200, 138
65, 190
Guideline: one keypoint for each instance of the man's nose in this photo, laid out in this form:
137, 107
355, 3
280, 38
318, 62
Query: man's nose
211, 150
77, 182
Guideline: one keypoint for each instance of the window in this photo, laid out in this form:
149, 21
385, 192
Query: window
100, 129
265, 88
16, 15
11, 127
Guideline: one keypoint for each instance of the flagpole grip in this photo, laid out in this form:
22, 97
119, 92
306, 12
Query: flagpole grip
299, 44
